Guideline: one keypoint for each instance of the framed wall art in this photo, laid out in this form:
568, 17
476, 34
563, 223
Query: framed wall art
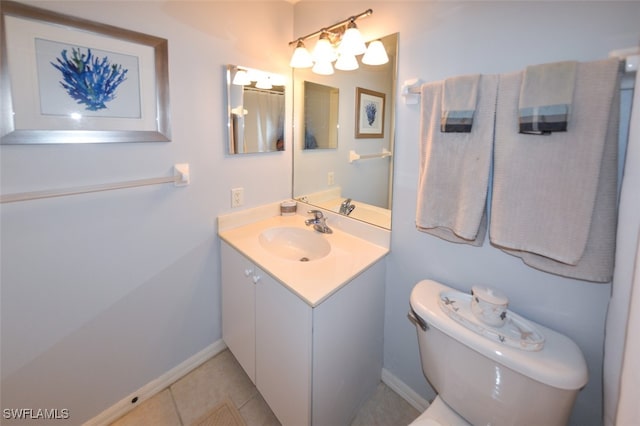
70, 80
369, 113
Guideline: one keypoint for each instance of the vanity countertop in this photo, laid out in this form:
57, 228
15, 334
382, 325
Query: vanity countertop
315, 280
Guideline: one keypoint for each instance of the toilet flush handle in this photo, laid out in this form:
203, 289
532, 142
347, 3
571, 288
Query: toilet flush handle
415, 318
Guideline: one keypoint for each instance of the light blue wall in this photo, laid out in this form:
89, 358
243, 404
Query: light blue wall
442, 39
450, 38
104, 292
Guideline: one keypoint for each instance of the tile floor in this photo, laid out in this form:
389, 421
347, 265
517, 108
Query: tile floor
221, 377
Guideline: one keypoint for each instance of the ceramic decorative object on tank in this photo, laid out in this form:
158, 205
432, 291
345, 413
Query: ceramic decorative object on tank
489, 305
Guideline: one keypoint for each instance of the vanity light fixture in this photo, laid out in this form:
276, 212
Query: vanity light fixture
264, 83
323, 68
324, 51
277, 79
301, 57
241, 78
375, 54
339, 43
352, 41
259, 79
347, 62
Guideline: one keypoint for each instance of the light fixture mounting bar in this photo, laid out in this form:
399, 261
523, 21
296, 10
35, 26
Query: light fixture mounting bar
336, 25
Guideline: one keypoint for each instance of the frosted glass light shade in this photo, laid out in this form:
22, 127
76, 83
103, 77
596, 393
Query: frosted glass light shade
352, 41
375, 54
323, 68
301, 57
346, 62
277, 79
254, 75
323, 50
241, 78
264, 83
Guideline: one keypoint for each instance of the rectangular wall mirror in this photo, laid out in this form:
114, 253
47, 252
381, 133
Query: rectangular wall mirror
327, 177
256, 109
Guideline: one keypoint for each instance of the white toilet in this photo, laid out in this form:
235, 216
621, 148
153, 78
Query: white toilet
519, 374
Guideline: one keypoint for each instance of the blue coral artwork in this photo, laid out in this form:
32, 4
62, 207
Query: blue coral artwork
370, 109
87, 81
90, 80
370, 114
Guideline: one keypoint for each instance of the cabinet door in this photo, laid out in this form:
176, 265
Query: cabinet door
238, 308
283, 348
348, 344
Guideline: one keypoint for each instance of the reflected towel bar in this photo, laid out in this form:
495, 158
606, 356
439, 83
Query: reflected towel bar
353, 156
179, 178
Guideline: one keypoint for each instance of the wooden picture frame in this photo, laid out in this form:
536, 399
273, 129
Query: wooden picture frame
370, 117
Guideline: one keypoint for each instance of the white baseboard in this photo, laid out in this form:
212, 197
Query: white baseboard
401, 388
123, 406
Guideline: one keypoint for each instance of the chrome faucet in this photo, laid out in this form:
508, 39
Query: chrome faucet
346, 207
319, 222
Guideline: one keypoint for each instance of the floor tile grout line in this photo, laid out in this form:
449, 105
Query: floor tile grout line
175, 406
391, 415
251, 398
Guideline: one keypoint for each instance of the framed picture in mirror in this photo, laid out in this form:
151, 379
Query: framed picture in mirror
369, 113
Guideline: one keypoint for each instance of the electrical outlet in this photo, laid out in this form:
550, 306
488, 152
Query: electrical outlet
237, 197
330, 178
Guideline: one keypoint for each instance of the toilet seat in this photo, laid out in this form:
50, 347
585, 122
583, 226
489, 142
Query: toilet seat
425, 422
439, 414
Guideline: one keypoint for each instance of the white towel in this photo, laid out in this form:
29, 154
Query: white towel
454, 168
459, 101
546, 96
554, 197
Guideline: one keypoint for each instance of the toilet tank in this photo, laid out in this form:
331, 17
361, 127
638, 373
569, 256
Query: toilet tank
489, 383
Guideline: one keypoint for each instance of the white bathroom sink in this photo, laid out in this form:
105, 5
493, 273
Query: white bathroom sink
293, 243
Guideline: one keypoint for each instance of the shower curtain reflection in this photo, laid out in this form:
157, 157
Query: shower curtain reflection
256, 108
263, 120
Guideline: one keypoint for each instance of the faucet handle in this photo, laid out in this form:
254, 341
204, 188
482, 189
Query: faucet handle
317, 214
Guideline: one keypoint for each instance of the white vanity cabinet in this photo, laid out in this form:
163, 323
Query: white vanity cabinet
313, 365
239, 307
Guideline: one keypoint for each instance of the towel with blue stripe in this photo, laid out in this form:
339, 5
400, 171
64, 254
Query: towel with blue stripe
546, 96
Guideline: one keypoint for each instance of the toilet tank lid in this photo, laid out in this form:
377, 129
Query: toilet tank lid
559, 364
